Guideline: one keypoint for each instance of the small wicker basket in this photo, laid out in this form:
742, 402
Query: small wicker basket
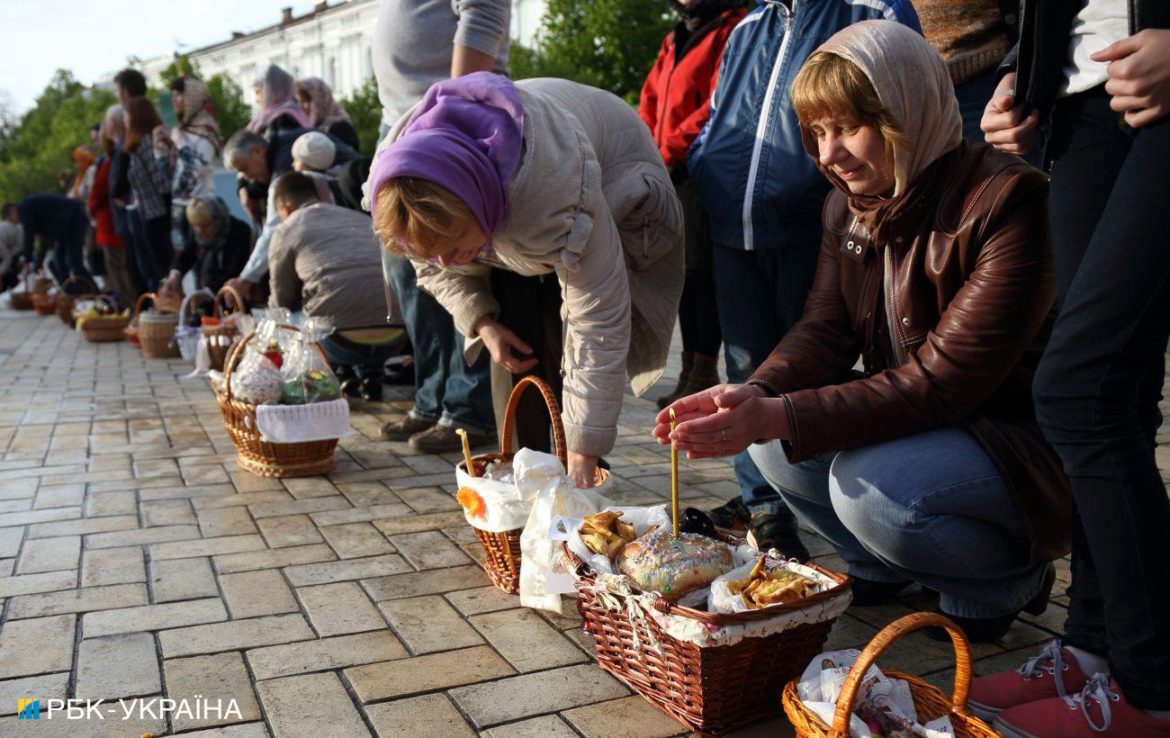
108, 327
65, 300
222, 336
929, 701
156, 330
24, 300
713, 689
45, 303
258, 456
502, 563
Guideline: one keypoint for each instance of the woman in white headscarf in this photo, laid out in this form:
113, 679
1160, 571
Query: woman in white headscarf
275, 97
325, 113
935, 271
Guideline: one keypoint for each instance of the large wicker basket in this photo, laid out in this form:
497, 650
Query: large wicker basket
502, 562
258, 456
45, 303
929, 701
712, 689
108, 327
66, 300
156, 330
222, 336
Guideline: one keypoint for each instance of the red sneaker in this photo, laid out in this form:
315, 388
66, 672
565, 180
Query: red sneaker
1099, 710
1053, 673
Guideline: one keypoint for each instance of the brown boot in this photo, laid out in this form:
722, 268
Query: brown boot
688, 360
704, 374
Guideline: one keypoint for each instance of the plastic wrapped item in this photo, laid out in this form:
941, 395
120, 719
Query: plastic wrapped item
257, 379
305, 372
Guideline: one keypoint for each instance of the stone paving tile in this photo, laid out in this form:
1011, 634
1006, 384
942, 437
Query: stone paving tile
112, 566
335, 609
425, 582
431, 714
182, 579
234, 635
429, 624
10, 539
64, 495
83, 527
141, 536
117, 666
337, 571
388, 679
299, 507
548, 726
332, 713
206, 547
429, 550
481, 600
527, 641
49, 686
242, 730
361, 514
153, 617
547, 691
253, 593
220, 677
224, 521
272, 559
414, 523
111, 503
325, 654
355, 540
53, 637
85, 599
36, 583
289, 530
624, 717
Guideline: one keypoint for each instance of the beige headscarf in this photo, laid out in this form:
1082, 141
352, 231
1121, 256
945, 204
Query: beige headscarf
913, 84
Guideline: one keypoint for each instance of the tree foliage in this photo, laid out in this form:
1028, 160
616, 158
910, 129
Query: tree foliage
231, 112
365, 110
609, 44
39, 144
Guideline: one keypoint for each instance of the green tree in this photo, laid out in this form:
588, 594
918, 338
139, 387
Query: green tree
40, 143
365, 110
609, 44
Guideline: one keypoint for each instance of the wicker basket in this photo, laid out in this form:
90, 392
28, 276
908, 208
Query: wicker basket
502, 563
258, 456
156, 330
45, 303
65, 300
711, 690
108, 327
929, 701
217, 347
24, 300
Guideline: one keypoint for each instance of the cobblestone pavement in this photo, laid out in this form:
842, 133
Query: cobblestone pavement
136, 560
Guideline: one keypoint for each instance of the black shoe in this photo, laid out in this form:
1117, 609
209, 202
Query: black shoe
351, 387
371, 389
985, 630
696, 521
731, 517
778, 531
867, 592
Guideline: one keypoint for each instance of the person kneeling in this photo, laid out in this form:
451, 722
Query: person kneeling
325, 260
935, 270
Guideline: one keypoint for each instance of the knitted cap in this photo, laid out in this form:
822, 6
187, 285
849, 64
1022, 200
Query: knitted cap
314, 150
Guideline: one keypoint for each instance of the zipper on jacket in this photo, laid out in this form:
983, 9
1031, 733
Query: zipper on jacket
762, 127
892, 308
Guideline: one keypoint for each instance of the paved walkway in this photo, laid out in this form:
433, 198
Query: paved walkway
136, 560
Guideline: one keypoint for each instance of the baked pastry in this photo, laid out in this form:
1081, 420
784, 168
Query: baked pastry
671, 566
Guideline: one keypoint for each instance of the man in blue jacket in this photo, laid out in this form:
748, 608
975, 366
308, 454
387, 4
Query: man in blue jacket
60, 222
764, 195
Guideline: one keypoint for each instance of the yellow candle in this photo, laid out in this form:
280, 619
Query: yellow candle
673, 475
466, 451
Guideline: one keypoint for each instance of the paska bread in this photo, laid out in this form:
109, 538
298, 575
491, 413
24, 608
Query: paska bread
672, 566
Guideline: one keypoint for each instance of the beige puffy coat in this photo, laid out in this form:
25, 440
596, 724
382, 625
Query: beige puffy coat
592, 202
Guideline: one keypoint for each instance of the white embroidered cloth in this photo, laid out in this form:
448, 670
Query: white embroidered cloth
317, 421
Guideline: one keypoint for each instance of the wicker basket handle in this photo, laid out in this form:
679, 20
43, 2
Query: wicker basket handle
554, 413
221, 309
138, 305
237, 353
884, 640
194, 298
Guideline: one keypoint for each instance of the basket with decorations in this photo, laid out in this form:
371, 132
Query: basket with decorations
100, 322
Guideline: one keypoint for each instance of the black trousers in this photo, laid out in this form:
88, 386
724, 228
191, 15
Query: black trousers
698, 312
1100, 382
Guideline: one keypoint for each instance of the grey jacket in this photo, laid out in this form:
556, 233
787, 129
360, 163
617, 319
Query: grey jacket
592, 202
325, 260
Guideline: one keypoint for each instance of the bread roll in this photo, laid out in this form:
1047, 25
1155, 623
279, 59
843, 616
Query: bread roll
661, 563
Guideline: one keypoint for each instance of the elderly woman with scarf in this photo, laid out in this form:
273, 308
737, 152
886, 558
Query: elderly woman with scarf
275, 97
325, 113
541, 177
218, 247
936, 271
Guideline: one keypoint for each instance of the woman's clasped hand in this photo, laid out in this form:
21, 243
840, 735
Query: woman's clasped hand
722, 421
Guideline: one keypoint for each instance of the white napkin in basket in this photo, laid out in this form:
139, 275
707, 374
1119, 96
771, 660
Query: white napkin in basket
317, 421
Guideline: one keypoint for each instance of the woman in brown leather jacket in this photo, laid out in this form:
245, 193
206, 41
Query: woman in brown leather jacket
935, 271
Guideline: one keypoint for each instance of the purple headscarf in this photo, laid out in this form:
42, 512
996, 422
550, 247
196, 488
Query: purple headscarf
466, 136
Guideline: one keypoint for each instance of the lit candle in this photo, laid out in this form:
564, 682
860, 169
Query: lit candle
673, 475
466, 451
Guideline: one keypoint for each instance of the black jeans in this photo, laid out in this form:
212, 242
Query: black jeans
698, 311
1099, 384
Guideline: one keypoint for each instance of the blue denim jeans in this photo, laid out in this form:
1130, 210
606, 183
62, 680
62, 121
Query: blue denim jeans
760, 295
447, 390
367, 360
930, 508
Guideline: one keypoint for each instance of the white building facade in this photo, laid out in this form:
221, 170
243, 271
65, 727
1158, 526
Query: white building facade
332, 42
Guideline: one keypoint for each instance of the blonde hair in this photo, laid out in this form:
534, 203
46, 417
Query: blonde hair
425, 216
829, 85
